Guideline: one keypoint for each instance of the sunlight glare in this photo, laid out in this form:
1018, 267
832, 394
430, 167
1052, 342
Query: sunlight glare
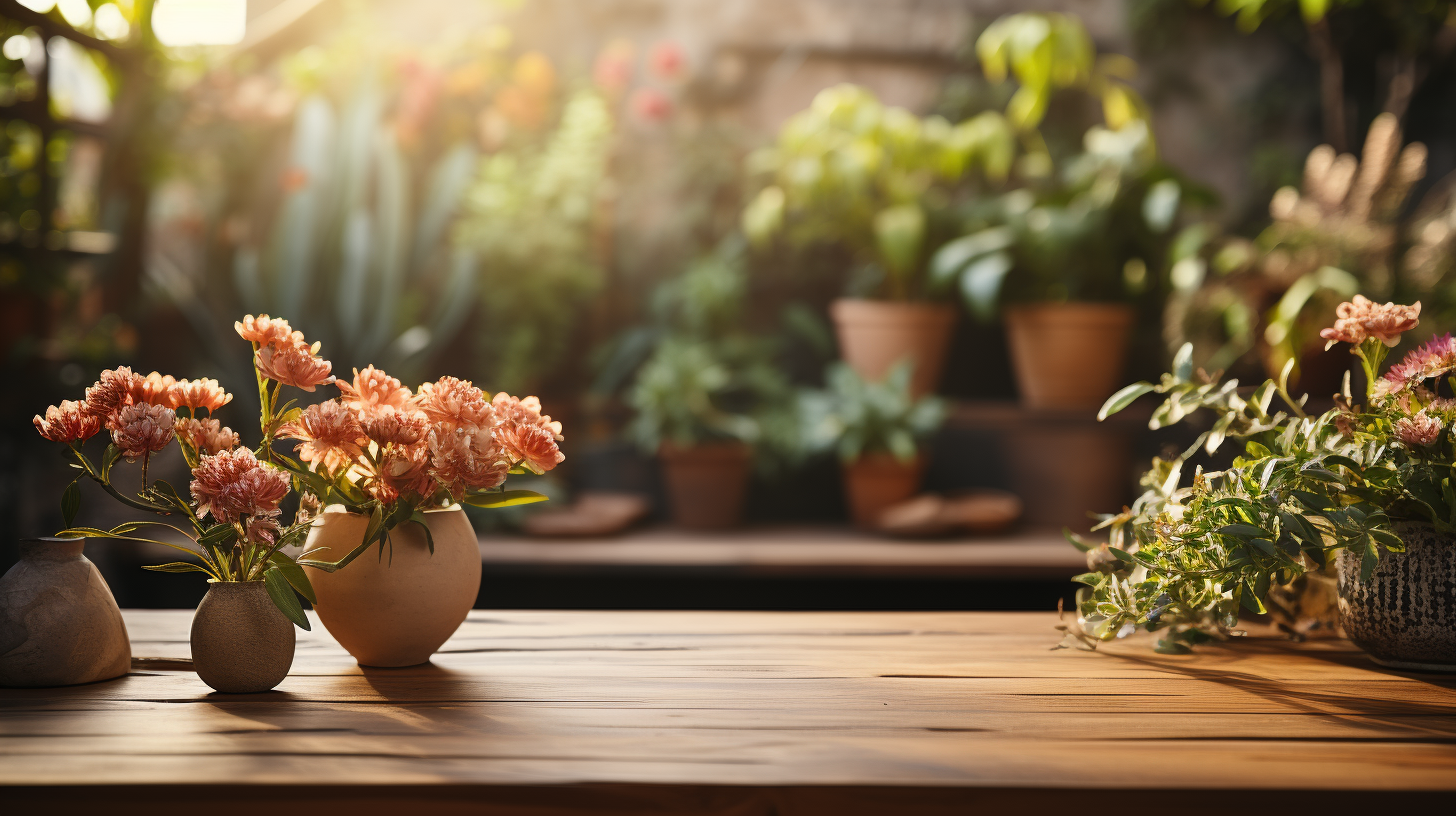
200, 22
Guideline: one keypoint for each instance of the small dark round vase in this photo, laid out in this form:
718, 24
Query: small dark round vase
1405, 615
241, 643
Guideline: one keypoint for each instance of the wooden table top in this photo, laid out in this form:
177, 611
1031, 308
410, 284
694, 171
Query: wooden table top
741, 713
798, 551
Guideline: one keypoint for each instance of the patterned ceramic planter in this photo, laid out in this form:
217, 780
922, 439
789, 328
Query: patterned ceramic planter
1405, 615
241, 643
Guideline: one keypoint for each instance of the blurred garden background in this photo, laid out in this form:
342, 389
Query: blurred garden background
650, 214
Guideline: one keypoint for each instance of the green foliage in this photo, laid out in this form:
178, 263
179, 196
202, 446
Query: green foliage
528, 218
853, 417
705, 376
1185, 559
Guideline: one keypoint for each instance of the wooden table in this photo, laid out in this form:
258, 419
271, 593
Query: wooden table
743, 714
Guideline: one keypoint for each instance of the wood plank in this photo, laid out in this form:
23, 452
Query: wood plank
660, 705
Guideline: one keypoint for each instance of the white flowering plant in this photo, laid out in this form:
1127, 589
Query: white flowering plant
1185, 558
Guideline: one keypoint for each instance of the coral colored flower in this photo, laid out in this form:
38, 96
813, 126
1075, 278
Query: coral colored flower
404, 471
525, 411
294, 365
667, 60
1419, 430
111, 392
233, 484
70, 422
372, 389
391, 426
268, 331
454, 403
262, 527
197, 394
651, 105
465, 458
206, 435
330, 434
153, 389
613, 69
532, 445
1361, 318
309, 506
142, 429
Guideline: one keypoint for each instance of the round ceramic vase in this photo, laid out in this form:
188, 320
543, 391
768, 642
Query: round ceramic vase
59, 624
395, 605
1405, 615
241, 643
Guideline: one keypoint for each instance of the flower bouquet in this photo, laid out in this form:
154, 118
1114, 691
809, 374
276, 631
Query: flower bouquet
378, 450
1368, 486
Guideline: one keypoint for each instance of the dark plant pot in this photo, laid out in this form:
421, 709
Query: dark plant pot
241, 643
1068, 355
876, 482
706, 484
1405, 615
874, 335
59, 624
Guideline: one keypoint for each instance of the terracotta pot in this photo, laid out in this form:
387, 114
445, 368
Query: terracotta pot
395, 607
1405, 615
876, 482
1068, 355
876, 334
241, 643
706, 484
1067, 466
59, 624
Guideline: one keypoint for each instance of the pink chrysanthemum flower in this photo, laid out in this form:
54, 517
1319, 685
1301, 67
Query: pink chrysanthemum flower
373, 390
199, 394
388, 425
1419, 430
454, 403
531, 445
231, 485
262, 528
330, 435
153, 389
467, 459
206, 435
295, 365
268, 331
526, 411
403, 471
1361, 318
69, 422
142, 429
110, 393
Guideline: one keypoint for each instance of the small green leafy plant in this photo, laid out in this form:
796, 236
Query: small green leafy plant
853, 418
1184, 559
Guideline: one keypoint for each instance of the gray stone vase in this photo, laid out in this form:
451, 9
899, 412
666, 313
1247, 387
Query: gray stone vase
241, 643
1405, 615
59, 624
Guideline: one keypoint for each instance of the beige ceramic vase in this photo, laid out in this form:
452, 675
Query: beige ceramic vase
241, 643
1068, 355
876, 482
59, 624
395, 607
876, 334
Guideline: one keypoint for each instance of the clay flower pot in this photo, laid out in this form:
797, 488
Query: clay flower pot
59, 624
1068, 355
241, 643
396, 607
876, 482
1405, 615
706, 484
876, 334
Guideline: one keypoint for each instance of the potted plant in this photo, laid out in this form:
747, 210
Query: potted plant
1366, 485
708, 397
876, 429
871, 178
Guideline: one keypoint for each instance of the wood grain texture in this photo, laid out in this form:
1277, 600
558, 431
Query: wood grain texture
740, 713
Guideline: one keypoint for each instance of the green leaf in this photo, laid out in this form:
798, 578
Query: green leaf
1369, 561
1169, 646
1123, 398
505, 498
283, 597
178, 566
950, 259
1183, 363
1088, 578
981, 283
294, 573
1243, 531
108, 459
418, 517
71, 503
218, 535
